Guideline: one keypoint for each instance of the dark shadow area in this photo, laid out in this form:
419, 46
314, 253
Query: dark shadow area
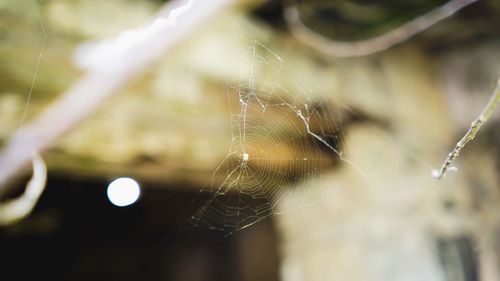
75, 233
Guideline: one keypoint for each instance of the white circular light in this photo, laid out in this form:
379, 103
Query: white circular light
123, 192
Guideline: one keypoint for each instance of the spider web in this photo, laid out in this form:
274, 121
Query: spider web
281, 137
45, 36
284, 139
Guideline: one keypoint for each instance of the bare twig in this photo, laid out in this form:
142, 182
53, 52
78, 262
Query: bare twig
113, 63
16, 209
471, 133
373, 45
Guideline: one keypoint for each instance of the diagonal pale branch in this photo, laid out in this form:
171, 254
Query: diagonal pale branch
171, 25
471, 133
373, 45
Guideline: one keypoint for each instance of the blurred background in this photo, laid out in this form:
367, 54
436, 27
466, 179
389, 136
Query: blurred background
265, 140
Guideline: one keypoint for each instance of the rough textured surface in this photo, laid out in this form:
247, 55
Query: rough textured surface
384, 225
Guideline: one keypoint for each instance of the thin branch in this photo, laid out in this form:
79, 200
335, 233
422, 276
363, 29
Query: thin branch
114, 62
370, 46
471, 133
16, 209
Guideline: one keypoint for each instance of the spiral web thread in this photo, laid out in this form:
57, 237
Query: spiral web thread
280, 137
